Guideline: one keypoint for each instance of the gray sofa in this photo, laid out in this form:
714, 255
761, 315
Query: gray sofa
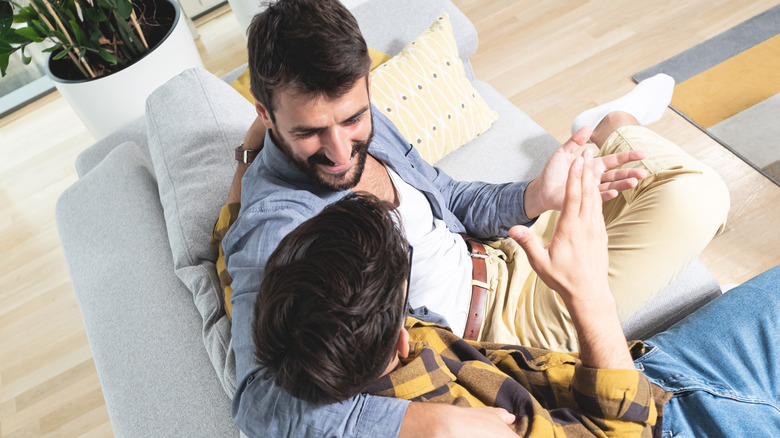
135, 231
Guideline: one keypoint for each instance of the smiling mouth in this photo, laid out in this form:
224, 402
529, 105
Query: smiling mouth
332, 167
329, 166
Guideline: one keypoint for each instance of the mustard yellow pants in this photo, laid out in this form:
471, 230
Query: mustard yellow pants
655, 230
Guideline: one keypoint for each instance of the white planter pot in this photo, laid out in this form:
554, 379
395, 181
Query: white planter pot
107, 103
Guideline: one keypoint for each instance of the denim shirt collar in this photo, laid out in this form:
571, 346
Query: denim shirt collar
282, 166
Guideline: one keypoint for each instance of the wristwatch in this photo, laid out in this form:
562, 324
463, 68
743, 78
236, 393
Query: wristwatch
246, 156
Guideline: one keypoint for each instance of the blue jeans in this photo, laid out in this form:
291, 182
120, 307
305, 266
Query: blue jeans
723, 365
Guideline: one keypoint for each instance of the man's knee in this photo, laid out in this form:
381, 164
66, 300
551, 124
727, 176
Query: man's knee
689, 200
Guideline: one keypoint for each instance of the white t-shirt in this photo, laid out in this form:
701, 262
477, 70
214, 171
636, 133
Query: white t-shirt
441, 265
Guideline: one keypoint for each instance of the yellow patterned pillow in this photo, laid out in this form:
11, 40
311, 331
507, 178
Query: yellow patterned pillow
426, 94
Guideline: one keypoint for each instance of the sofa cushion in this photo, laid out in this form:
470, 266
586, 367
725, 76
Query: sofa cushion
424, 91
195, 120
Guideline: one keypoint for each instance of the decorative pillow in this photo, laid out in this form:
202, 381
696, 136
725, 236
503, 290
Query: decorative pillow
426, 94
194, 122
241, 84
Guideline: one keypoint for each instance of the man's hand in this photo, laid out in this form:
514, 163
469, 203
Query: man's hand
546, 192
576, 263
428, 420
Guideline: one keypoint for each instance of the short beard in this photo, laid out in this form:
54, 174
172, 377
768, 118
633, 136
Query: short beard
334, 182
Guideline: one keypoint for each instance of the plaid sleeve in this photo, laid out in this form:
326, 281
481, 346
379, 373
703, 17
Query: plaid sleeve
618, 402
227, 216
569, 399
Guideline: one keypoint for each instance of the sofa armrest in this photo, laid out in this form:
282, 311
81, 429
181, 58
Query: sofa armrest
141, 322
134, 131
693, 288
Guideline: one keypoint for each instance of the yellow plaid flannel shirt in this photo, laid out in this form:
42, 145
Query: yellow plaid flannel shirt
227, 216
551, 393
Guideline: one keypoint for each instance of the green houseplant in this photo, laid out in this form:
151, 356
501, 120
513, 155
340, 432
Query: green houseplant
97, 37
106, 56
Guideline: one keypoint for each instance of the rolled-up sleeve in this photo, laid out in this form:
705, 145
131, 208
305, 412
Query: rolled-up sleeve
619, 402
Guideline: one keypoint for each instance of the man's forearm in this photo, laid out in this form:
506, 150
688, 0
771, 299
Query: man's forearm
253, 140
441, 420
234, 195
601, 338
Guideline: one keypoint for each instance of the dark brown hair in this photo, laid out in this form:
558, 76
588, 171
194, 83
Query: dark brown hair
309, 46
330, 306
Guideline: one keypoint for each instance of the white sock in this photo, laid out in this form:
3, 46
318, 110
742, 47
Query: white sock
646, 102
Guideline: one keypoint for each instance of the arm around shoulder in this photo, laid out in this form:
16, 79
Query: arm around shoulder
261, 409
426, 420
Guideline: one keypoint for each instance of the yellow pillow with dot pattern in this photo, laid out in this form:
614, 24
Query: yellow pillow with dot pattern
424, 91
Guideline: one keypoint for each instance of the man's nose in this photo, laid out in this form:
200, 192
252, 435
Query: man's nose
337, 146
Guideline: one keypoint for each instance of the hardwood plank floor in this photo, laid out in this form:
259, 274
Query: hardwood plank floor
552, 59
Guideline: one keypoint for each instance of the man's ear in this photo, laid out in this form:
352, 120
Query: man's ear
402, 345
264, 115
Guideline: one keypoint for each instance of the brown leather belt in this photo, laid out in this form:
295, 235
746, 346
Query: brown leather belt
478, 288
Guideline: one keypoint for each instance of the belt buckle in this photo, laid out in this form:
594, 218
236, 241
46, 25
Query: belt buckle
475, 255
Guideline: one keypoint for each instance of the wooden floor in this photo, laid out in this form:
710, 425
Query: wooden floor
552, 59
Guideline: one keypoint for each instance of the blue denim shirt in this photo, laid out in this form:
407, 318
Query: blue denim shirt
276, 196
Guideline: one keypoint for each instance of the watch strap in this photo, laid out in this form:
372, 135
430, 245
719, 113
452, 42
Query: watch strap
246, 156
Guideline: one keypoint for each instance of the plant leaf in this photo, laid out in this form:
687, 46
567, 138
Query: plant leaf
78, 36
96, 15
29, 33
61, 54
124, 8
4, 62
25, 59
127, 35
40, 28
52, 48
108, 57
60, 36
6, 16
25, 14
11, 37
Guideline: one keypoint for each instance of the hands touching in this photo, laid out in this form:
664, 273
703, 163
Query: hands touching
546, 192
576, 263
576, 259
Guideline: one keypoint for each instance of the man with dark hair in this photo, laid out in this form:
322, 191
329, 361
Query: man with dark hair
324, 141
288, 63
330, 307
325, 342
